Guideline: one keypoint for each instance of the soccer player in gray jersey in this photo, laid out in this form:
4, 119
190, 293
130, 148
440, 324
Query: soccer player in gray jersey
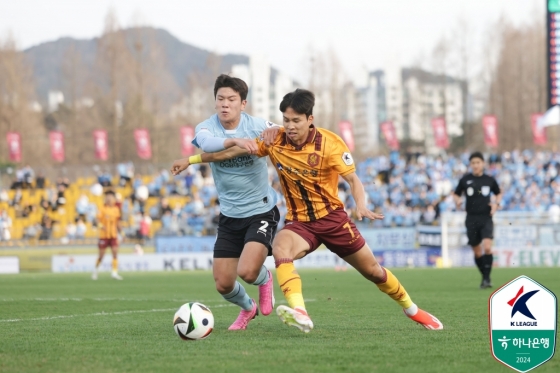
248, 213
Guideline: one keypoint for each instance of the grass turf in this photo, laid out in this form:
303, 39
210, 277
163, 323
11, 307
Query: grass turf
68, 323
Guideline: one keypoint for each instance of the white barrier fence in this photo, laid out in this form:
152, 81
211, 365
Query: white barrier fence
519, 233
175, 262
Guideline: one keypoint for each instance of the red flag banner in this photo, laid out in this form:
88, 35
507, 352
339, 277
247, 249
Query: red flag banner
539, 132
143, 146
57, 145
101, 146
390, 134
346, 133
14, 146
490, 126
187, 135
440, 133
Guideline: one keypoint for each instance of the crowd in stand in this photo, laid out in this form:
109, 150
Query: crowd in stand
409, 189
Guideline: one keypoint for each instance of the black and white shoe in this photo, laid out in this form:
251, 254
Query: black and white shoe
485, 284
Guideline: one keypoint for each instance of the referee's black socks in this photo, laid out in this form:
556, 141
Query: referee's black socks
488, 260
480, 263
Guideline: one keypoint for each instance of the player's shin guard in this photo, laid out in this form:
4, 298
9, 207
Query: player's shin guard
115, 265
391, 286
239, 296
290, 283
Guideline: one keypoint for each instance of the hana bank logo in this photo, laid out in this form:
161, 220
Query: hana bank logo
519, 305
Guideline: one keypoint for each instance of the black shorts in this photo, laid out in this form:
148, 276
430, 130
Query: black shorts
234, 233
479, 228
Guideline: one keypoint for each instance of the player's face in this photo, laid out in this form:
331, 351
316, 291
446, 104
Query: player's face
109, 200
477, 166
297, 125
229, 105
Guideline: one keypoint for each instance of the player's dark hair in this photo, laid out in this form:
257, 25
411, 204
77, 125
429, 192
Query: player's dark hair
300, 100
110, 193
226, 81
476, 155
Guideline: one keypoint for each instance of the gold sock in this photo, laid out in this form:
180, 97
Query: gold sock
290, 283
115, 265
391, 286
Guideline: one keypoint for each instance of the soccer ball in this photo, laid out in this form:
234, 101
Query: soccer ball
193, 321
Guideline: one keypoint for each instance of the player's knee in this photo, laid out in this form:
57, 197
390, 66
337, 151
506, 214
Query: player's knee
375, 273
248, 275
224, 288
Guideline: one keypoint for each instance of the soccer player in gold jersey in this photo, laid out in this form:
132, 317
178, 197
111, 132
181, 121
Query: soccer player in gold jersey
309, 161
108, 217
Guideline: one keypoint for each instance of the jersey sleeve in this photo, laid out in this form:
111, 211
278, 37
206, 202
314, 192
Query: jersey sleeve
460, 187
263, 149
204, 139
495, 188
340, 158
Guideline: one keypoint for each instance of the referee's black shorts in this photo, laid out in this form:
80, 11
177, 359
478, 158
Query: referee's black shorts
234, 233
479, 227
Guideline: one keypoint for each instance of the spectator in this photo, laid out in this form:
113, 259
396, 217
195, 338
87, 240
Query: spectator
145, 227
81, 229
40, 182
46, 228
5, 226
71, 230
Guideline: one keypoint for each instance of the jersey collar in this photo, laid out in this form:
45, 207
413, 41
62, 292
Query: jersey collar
310, 138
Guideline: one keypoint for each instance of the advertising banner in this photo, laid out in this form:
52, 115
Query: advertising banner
143, 145
390, 134
101, 146
14, 146
57, 145
187, 136
539, 132
346, 133
439, 128
490, 126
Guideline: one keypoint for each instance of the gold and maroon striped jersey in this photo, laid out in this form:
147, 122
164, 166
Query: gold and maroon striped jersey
309, 173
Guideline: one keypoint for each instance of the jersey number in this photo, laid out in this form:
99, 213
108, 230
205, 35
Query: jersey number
264, 226
347, 225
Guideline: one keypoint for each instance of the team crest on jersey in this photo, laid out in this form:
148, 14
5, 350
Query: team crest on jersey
347, 159
485, 190
313, 159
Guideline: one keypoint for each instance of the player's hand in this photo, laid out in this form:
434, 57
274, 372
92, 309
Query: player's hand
493, 208
458, 206
249, 145
269, 135
363, 212
179, 166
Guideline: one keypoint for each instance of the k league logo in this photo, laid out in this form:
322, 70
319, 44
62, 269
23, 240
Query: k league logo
523, 322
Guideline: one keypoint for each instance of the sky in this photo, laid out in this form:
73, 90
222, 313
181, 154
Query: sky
365, 34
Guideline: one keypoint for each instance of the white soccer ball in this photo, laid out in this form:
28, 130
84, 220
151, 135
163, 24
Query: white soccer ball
193, 321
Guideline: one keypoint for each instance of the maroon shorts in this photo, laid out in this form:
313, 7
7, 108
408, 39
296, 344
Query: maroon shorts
335, 230
108, 242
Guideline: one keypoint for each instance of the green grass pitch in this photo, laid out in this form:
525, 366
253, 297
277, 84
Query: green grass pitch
69, 323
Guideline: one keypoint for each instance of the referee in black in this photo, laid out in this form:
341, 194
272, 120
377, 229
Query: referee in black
480, 228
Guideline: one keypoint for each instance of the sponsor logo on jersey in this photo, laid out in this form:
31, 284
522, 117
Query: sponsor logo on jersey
485, 190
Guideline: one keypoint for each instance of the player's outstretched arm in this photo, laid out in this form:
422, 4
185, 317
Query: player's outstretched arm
359, 194
181, 165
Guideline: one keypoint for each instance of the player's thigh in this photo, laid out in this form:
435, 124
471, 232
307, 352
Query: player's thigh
230, 239
252, 259
225, 273
365, 262
486, 245
290, 244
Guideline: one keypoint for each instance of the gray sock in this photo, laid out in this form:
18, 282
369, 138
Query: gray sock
239, 296
263, 277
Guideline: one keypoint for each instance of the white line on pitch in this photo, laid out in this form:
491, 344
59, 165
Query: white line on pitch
121, 313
